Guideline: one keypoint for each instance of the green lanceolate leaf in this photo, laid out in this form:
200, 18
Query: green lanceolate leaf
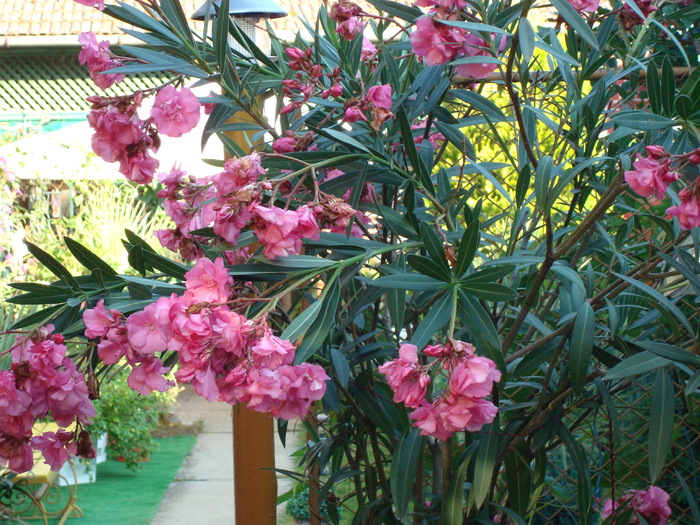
671, 352
53, 266
484, 463
404, 466
642, 120
635, 365
519, 478
660, 423
433, 245
493, 292
407, 281
543, 177
661, 299
437, 317
453, 506
693, 384
583, 476
324, 323
576, 22
581, 346
467, 249
87, 258
302, 322
481, 329
429, 267
341, 366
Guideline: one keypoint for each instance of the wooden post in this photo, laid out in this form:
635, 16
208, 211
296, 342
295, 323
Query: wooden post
255, 483
253, 451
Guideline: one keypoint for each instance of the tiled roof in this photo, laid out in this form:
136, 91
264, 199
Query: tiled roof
54, 18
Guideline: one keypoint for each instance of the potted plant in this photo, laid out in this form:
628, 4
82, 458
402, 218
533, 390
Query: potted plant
128, 419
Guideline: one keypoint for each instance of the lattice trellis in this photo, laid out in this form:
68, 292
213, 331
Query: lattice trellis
35, 83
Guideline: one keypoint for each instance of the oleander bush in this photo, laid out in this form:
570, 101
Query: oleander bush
463, 249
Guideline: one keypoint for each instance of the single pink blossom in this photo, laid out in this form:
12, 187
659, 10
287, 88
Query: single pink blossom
369, 50
175, 112
350, 28
149, 330
98, 321
147, 376
688, 211
380, 96
208, 282
98, 59
585, 6
272, 352
353, 114
650, 177
56, 447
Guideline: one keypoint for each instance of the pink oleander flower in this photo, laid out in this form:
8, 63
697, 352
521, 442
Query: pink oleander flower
147, 376
688, 211
380, 96
272, 352
652, 505
208, 282
238, 173
428, 419
350, 28
651, 175
98, 59
406, 378
56, 447
15, 453
149, 330
99, 4
121, 136
450, 4
630, 19
68, 397
273, 226
585, 6
436, 43
343, 10
302, 384
114, 346
369, 50
474, 377
175, 112
476, 47
284, 145
98, 321
353, 114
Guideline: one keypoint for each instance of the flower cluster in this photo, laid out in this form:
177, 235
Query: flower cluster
377, 102
461, 406
42, 382
122, 136
347, 17
653, 174
225, 356
230, 201
98, 59
629, 18
651, 504
308, 80
439, 43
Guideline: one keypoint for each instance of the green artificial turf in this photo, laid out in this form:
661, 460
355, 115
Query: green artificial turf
122, 497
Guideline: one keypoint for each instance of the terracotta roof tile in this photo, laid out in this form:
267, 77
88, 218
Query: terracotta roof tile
67, 18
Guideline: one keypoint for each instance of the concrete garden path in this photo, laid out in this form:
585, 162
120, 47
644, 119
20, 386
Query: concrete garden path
202, 491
